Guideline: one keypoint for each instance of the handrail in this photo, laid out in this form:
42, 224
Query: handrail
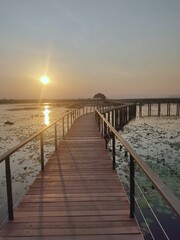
107, 108
118, 107
171, 199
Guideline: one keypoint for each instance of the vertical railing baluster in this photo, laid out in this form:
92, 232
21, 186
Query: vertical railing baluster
132, 188
113, 118
9, 189
68, 122
105, 134
63, 128
55, 135
71, 118
102, 130
42, 151
99, 122
114, 150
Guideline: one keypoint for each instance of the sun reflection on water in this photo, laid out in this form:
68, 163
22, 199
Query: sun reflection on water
46, 115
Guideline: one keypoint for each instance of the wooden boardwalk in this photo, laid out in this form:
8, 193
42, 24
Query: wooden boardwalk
78, 196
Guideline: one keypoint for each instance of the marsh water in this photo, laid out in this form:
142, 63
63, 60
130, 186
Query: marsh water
17, 123
156, 140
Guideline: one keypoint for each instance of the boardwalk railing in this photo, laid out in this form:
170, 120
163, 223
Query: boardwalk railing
159, 109
66, 121
107, 126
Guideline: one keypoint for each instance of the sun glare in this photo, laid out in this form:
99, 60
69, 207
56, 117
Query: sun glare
46, 115
45, 80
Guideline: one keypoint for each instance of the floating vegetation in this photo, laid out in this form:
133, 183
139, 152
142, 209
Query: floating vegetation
157, 141
161, 150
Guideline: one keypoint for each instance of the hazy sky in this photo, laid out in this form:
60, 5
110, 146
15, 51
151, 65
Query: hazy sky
122, 48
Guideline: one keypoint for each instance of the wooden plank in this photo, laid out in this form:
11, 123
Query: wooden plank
70, 231
47, 208
76, 204
63, 219
79, 195
73, 213
86, 237
62, 225
75, 199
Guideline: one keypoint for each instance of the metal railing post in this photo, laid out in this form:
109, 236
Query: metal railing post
114, 150
76, 113
55, 133
68, 122
113, 118
71, 118
132, 188
63, 128
42, 151
105, 134
99, 122
73, 115
102, 130
9, 189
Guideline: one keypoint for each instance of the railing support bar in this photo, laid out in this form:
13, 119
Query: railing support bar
63, 128
99, 122
132, 188
9, 189
114, 150
42, 151
71, 118
102, 129
68, 122
55, 132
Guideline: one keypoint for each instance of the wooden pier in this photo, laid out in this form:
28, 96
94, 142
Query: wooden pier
78, 196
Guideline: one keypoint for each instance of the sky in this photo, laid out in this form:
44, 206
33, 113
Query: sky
121, 48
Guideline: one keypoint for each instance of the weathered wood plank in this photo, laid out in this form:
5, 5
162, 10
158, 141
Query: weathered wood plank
70, 231
63, 219
86, 237
76, 204
61, 225
73, 213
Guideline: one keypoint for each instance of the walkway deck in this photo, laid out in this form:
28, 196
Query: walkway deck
78, 196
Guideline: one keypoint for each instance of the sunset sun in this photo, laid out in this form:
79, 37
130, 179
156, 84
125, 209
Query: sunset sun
44, 80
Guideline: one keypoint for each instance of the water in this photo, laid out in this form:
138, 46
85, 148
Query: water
17, 123
157, 141
27, 119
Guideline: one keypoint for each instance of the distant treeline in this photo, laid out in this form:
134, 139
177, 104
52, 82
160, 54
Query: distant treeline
59, 101
90, 100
